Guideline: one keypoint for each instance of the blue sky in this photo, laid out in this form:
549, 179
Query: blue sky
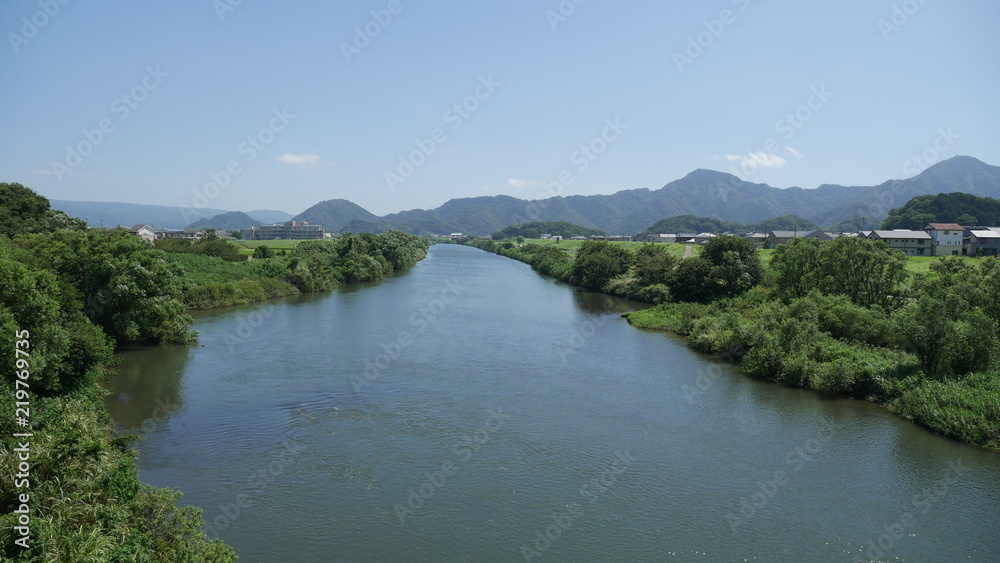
278, 105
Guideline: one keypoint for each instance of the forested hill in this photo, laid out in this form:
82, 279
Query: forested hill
695, 224
961, 208
535, 229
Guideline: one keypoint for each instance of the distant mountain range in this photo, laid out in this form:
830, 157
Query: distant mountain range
111, 214
230, 221
706, 193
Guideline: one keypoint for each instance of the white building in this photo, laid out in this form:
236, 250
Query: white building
294, 230
913, 243
946, 238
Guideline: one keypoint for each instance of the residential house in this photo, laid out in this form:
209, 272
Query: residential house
686, 237
777, 238
703, 238
983, 242
820, 235
912, 243
946, 238
144, 232
184, 234
758, 239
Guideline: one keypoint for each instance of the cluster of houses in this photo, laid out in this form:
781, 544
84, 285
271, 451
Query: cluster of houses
298, 230
146, 232
935, 239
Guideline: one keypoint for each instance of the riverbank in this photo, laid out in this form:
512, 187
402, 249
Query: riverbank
211, 281
931, 358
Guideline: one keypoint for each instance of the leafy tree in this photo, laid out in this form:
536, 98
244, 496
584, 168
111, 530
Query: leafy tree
597, 262
692, 281
736, 266
237, 234
967, 219
519, 239
866, 271
23, 211
66, 349
653, 264
262, 251
126, 287
793, 266
729, 266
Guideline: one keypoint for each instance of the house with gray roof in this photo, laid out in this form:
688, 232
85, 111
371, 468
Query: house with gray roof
912, 243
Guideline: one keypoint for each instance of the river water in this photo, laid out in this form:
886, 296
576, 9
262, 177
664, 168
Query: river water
471, 410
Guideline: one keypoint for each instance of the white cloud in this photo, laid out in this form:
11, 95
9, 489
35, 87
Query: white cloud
757, 160
793, 152
303, 160
520, 184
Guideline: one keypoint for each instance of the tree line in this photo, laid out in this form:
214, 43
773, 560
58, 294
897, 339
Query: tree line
76, 294
843, 317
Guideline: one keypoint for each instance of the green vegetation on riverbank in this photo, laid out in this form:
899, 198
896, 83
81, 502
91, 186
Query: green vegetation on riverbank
214, 279
848, 317
68, 295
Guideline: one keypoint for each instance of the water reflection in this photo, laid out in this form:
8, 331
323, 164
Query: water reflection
602, 304
147, 390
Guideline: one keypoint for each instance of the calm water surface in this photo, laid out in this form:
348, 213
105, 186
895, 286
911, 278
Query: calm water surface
471, 410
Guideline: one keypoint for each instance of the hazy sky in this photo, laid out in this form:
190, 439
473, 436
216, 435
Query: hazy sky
152, 102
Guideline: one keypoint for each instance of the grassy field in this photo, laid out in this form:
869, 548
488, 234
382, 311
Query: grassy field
243, 245
914, 264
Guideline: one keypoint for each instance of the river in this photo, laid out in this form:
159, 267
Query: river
469, 409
